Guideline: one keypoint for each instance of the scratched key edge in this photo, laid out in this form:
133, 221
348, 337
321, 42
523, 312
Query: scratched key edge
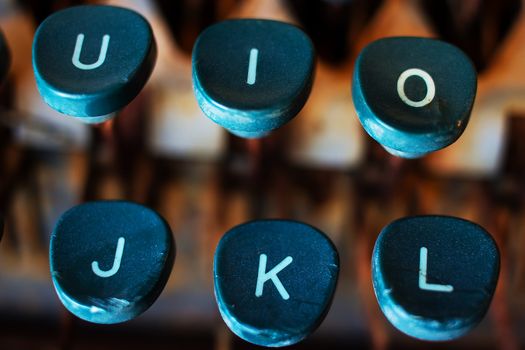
107, 100
375, 127
147, 300
416, 326
252, 334
470, 75
256, 123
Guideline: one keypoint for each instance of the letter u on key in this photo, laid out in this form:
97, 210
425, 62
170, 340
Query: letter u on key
101, 55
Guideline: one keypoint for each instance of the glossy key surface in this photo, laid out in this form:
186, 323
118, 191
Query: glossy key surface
413, 95
110, 260
434, 276
274, 280
5, 58
252, 76
91, 61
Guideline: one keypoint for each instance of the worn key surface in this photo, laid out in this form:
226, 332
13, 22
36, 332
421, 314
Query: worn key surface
251, 76
274, 280
413, 95
110, 260
90, 61
434, 276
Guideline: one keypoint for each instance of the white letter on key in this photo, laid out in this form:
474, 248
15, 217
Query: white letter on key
116, 263
429, 82
101, 56
252, 67
423, 253
264, 276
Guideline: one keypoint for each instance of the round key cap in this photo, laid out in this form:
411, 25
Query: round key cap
434, 276
91, 61
413, 95
252, 76
274, 280
110, 260
5, 58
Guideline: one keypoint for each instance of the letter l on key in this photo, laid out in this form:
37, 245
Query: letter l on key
423, 256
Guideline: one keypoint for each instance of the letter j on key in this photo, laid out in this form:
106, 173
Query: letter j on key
116, 263
110, 260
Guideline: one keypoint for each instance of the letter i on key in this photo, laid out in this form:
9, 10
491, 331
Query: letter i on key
91, 61
274, 280
251, 76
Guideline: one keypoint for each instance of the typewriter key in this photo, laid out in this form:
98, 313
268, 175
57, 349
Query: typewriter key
252, 76
274, 280
434, 276
90, 61
413, 95
110, 260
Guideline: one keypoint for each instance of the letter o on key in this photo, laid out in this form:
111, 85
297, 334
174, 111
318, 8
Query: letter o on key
412, 120
431, 87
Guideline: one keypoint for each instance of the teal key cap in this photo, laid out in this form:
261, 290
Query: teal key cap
413, 95
5, 58
434, 276
110, 260
91, 61
251, 76
274, 280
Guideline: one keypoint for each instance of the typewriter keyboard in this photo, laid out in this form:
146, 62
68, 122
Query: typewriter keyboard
231, 174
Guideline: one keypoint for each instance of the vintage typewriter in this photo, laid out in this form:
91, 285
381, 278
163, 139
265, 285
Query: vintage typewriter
321, 168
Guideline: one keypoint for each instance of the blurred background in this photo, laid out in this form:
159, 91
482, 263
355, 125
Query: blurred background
321, 169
